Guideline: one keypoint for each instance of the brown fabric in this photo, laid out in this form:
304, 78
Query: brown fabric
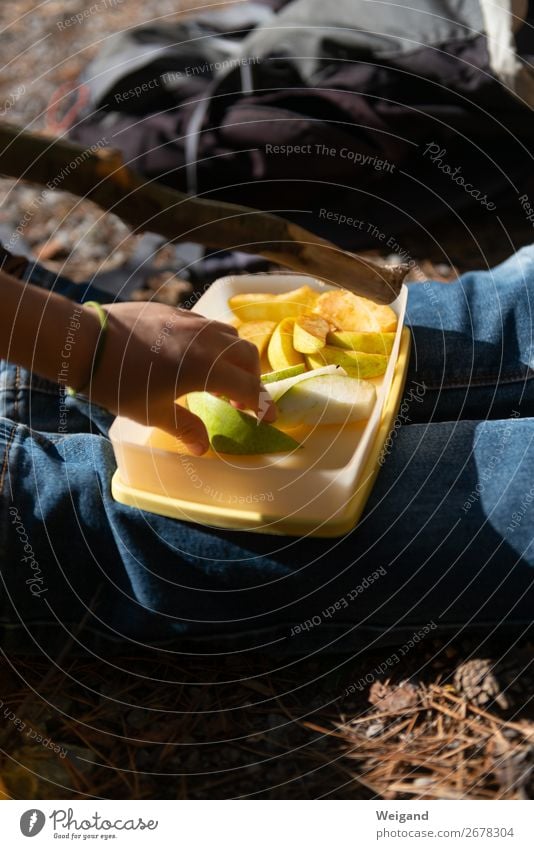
12, 264
369, 126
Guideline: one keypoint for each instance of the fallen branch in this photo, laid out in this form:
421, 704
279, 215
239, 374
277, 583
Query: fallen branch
101, 176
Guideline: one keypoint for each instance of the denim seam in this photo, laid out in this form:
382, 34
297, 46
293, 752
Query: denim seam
16, 397
5, 463
488, 380
22, 432
33, 389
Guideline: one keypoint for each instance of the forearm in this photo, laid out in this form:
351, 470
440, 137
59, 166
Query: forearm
132, 375
46, 333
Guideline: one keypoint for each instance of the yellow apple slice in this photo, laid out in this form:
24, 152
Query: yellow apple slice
281, 353
351, 312
310, 334
257, 332
355, 363
369, 342
264, 306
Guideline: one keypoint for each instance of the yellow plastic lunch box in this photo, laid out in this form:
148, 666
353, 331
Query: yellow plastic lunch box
319, 490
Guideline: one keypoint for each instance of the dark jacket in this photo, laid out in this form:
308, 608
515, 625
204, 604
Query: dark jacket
394, 114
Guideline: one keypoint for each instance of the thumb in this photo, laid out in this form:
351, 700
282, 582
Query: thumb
187, 427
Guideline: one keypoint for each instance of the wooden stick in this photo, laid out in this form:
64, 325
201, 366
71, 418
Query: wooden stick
101, 176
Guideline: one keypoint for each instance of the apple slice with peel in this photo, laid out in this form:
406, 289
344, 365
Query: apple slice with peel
280, 352
326, 399
277, 388
309, 333
281, 374
356, 363
369, 343
231, 431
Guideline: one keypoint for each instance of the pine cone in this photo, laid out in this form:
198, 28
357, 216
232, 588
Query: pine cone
507, 682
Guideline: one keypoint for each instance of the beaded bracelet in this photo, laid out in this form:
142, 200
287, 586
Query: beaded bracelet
103, 318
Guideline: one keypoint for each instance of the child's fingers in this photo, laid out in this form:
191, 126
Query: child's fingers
244, 355
243, 387
187, 427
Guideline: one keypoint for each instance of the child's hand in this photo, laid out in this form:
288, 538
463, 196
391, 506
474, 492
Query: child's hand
153, 354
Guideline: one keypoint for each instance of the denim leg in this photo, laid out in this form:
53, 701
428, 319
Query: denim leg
440, 523
60, 570
445, 543
445, 540
45, 406
473, 344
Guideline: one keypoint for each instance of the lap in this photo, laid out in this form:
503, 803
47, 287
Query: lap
473, 343
445, 538
437, 544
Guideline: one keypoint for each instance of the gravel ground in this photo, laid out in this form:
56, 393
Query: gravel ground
66, 234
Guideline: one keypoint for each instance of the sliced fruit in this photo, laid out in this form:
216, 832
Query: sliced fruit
355, 363
326, 399
370, 343
259, 306
282, 374
310, 334
278, 387
257, 332
281, 353
351, 312
233, 432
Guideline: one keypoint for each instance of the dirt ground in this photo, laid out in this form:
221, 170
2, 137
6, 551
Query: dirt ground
454, 722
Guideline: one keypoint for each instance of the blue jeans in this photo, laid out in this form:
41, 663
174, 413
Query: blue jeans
444, 546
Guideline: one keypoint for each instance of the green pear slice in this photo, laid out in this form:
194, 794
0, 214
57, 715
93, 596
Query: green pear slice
368, 342
355, 363
281, 374
231, 431
278, 387
326, 399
